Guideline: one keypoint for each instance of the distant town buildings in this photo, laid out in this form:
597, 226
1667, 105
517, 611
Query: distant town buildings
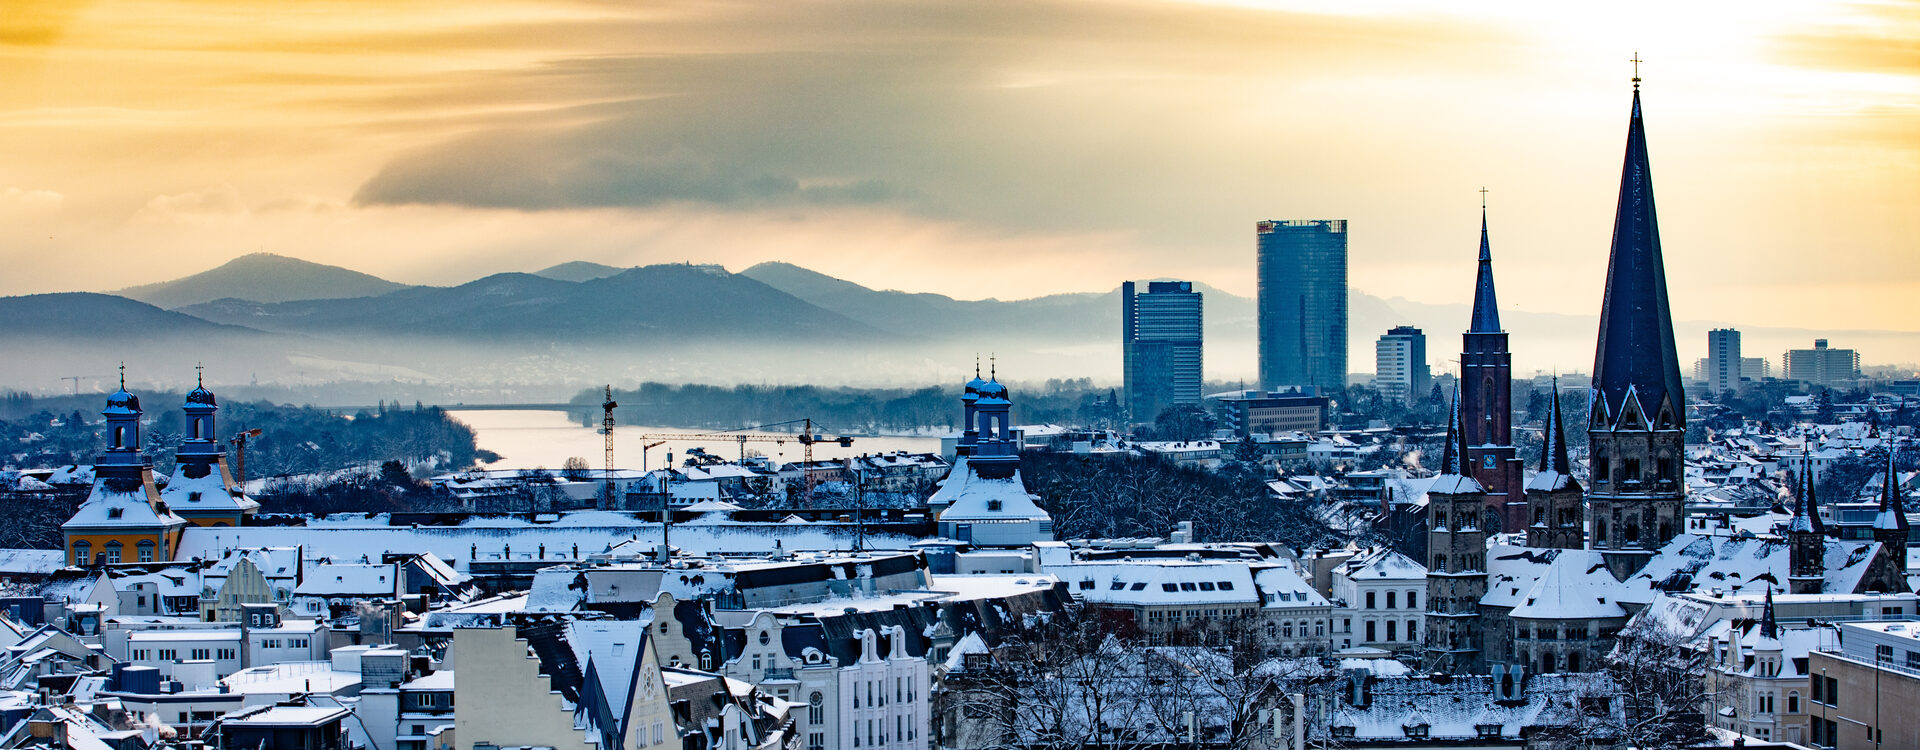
1294, 409
1821, 366
1302, 306
1161, 344
1400, 364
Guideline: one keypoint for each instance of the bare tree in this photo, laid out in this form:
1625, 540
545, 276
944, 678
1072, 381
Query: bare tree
1662, 691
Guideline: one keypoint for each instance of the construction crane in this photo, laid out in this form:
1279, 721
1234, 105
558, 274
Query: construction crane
75, 380
606, 427
240, 456
807, 438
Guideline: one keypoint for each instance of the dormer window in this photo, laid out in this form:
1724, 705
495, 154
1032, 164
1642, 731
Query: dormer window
995, 505
1417, 731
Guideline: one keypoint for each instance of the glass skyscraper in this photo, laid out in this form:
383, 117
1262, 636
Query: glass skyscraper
1303, 304
1161, 342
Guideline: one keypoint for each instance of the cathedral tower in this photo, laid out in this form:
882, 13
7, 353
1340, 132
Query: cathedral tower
1638, 423
1486, 399
1457, 549
1554, 502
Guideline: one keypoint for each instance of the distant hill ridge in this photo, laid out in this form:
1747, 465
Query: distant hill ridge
262, 277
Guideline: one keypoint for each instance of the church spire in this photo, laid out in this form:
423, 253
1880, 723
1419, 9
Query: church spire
1891, 522
1453, 455
1635, 360
1554, 457
1486, 312
1769, 627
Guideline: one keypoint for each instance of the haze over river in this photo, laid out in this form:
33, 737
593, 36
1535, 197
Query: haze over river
530, 439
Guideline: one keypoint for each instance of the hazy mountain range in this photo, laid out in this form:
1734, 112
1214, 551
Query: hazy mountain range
268, 318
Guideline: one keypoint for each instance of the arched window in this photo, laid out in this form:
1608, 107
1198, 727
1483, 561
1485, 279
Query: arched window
113, 552
1793, 702
146, 550
119, 437
196, 428
82, 553
816, 708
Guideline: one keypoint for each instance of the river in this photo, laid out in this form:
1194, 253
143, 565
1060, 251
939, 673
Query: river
529, 439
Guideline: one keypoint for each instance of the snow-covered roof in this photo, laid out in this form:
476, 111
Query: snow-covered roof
493, 538
1575, 586
350, 579
108, 508
971, 644
31, 561
1161, 582
210, 492
973, 498
1742, 565
1281, 587
1384, 564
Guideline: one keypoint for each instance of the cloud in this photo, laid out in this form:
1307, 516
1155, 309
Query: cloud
17, 201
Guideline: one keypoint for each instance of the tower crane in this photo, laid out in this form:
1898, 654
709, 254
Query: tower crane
240, 456
606, 427
807, 438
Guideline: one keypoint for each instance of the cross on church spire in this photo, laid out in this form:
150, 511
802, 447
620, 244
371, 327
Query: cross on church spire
199, 375
1636, 70
123, 376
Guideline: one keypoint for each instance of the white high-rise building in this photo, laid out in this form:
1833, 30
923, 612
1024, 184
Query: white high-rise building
1400, 364
1723, 360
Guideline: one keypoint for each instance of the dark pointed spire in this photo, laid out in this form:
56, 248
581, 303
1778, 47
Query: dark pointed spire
1893, 512
1800, 521
1769, 627
1486, 311
1635, 357
1806, 491
1554, 458
1453, 457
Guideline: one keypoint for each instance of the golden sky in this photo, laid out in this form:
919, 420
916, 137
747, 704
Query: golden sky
974, 148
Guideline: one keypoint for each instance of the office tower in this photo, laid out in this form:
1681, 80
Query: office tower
1723, 360
1486, 399
1639, 412
1400, 364
1160, 343
1820, 365
1303, 304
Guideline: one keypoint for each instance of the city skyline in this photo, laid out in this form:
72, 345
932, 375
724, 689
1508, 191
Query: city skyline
427, 143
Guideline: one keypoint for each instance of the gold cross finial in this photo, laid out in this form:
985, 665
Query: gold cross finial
993, 367
199, 375
1483, 196
1636, 69
123, 376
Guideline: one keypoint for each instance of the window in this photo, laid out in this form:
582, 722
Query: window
1633, 470
141, 654
1391, 629
1187, 586
199, 654
1369, 627
765, 638
1413, 599
146, 550
816, 741
167, 654
816, 709
1793, 702
1169, 587
1369, 601
1602, 470
1390, 599
1226, 585
1206, 585
82, 553
1883, 654
113, 552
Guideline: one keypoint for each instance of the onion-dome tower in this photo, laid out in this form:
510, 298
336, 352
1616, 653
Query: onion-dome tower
123, 518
